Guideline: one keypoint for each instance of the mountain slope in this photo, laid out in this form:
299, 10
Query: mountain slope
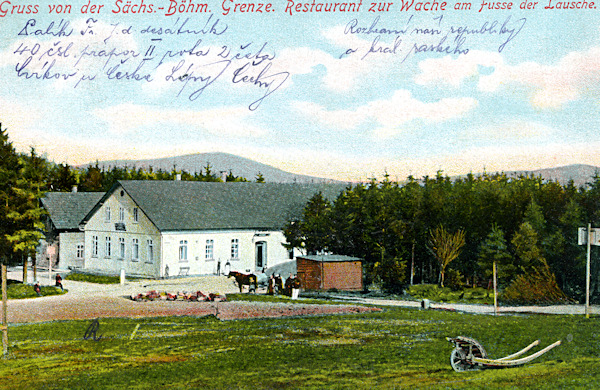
219, 163
581, 174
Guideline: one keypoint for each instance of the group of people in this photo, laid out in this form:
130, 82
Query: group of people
291, 288
58, 283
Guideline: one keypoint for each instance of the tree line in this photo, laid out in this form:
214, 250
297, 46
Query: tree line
445, 231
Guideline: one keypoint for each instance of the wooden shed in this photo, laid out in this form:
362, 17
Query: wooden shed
325, 272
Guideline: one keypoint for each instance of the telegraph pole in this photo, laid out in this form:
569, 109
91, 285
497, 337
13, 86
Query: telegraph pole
495, 291
587, 271
588, 237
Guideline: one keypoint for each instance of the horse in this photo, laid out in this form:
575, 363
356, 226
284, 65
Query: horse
243, 279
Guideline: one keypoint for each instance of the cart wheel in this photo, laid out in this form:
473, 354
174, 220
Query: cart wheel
458, 360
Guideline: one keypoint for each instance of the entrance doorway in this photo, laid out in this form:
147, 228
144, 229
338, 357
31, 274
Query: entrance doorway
261, 255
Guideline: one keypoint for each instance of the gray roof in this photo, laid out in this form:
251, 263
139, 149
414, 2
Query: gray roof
330, 258
67, 209
190, 205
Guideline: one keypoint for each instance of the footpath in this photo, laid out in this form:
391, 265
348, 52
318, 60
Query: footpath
481, 309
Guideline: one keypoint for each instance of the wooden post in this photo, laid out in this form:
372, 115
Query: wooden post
4, 313
495, 291
412, 264
25, 264
34, 266
50, 271
587, 271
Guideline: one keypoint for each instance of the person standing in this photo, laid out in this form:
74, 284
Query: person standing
37, 289
59, 282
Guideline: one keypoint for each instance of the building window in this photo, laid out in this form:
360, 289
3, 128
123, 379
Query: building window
135, 250
135, 214
150, 258
107, 247
210, 250
235, 248
121, 214
121, 248
183, 249
79, 251
107, 214
94, 246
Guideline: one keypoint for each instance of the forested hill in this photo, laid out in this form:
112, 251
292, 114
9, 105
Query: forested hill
218, 162
580, 174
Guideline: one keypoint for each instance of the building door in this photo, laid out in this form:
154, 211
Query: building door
261, 255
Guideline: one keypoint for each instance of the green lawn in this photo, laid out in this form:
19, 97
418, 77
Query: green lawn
397, 348
18, 290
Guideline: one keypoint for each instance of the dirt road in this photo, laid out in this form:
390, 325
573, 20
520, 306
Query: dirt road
89, 301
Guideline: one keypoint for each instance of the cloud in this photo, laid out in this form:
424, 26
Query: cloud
225, 121
391, 114
552, 86
510, 130
342, 71
454, 71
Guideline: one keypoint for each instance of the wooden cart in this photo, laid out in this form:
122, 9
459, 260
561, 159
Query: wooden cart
469, 354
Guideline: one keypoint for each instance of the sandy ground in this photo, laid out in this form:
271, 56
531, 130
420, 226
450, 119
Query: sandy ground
89, 301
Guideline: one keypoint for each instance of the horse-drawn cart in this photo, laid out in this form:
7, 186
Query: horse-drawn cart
469, 354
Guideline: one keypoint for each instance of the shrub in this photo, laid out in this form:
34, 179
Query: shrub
539, 286
100, 279
390, 274
454, 279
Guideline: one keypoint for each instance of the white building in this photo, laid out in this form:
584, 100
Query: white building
179, 228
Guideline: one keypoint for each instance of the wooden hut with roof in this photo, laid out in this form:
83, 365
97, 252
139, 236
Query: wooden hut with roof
330, 272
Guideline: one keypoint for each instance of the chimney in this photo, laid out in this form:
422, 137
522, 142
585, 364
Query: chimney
74, 189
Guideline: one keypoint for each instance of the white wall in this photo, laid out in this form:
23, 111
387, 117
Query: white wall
67, 252
143, 230
198, 264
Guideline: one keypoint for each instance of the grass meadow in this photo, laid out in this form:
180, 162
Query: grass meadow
393, 349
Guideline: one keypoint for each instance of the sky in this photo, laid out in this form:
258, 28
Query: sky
343, 95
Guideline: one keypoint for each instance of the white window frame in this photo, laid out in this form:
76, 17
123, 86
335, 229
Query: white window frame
183, 251
150, 253
135, 249
95, 245
235, 249
122, 248
121, 214
107, 247
107, 214
209, 251
136, 215
80, 251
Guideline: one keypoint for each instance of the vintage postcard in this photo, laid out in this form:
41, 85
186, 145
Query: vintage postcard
312, 97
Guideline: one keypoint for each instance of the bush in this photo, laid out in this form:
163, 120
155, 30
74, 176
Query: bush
390, 274
538, 286
454, 280
429, 291
100, 279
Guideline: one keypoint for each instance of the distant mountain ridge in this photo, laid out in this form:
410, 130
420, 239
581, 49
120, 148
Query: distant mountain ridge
581, 174
219, 163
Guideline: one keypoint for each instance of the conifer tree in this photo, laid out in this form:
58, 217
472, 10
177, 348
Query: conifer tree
9, 166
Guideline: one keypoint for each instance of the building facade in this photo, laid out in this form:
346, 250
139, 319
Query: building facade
178, 228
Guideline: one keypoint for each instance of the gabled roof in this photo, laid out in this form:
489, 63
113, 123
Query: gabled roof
190, 205
67, 209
